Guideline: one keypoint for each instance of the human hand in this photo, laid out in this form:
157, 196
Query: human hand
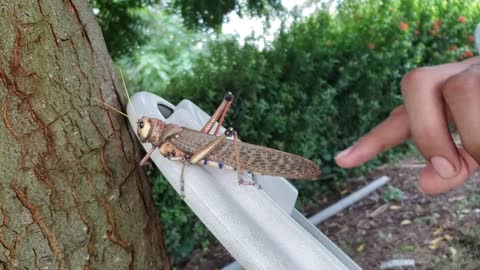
433, 97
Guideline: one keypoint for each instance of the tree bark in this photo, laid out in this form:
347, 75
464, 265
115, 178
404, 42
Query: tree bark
71, 193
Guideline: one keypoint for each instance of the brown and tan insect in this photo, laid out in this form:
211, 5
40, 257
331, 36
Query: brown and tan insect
201, 147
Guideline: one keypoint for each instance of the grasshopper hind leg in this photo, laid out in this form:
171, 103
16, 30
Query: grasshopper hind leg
218, 115
182, 179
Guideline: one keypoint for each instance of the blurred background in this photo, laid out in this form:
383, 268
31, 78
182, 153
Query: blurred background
309, 77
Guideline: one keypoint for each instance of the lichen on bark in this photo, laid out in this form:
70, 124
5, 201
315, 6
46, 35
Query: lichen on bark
71, 193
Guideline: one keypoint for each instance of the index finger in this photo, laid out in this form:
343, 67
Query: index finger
391, 132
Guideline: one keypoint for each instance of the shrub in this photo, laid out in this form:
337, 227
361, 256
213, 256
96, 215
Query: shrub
327, 79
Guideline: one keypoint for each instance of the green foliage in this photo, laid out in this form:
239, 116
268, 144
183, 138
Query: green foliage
319, 86
170, 52
328, 79
392, 194
210, 14
123, 23
407, 248
122, 28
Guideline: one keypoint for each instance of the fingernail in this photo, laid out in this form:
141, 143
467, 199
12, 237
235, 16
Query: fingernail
343, 153
443, 167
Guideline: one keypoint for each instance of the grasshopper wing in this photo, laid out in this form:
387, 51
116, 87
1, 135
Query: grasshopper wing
253, 158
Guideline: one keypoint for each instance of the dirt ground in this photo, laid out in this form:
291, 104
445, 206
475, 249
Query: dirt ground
397, 222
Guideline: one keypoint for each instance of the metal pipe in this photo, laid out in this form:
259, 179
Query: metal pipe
349, 200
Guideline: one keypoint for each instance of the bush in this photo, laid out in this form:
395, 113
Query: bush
322, 83
327, 79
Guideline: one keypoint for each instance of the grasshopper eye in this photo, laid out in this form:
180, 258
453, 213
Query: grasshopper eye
144, 129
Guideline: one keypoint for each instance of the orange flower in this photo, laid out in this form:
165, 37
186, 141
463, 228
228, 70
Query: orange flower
453, 47
471, 39
467, 54
404, 26
436, 24
461, 19
371, 45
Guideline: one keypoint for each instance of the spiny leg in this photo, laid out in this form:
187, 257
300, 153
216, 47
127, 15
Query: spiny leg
220, 112
182, 179
147, 156
222, 117
237, 159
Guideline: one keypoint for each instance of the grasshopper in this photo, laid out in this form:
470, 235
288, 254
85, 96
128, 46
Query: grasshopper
200, 147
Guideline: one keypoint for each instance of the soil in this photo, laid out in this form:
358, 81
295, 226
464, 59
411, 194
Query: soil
396, 222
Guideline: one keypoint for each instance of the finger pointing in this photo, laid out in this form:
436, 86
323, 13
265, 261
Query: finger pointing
391, 132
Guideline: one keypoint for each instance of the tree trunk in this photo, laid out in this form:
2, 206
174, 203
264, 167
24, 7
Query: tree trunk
71, 193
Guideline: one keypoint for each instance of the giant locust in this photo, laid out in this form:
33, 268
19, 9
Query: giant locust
200, 147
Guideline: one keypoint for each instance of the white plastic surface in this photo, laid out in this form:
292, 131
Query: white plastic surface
258, 232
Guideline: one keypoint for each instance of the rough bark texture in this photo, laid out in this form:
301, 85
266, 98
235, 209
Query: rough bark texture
71, 194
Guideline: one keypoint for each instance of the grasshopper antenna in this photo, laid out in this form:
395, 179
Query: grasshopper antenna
105, 104
144, 160
126, 93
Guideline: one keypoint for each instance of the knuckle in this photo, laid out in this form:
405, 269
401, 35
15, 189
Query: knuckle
467, 80
414, 77
399, 110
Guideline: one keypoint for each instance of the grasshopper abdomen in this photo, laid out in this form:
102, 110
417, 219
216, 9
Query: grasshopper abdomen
252, 158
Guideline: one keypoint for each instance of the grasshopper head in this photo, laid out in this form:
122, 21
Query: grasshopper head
144, 128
